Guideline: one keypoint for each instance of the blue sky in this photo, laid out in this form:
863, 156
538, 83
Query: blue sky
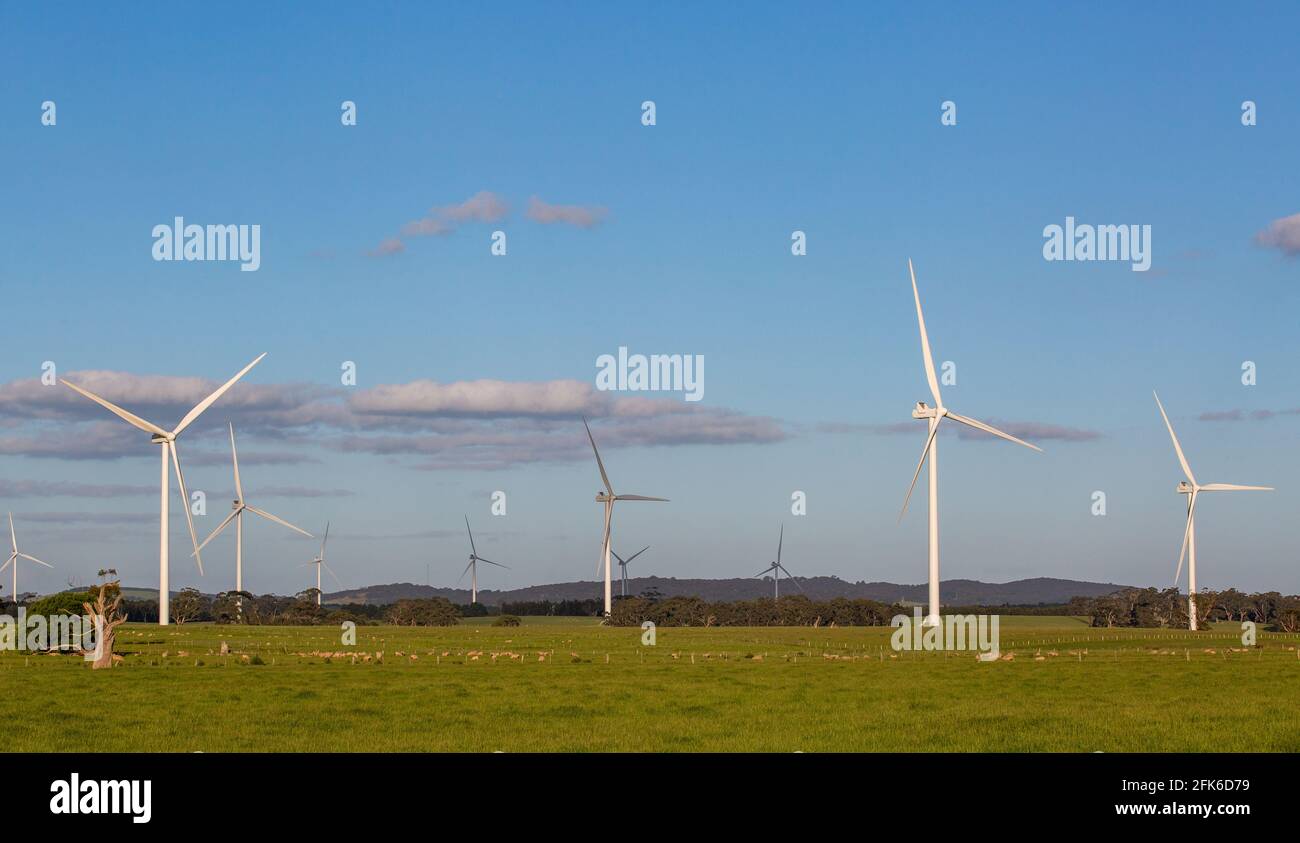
768, 120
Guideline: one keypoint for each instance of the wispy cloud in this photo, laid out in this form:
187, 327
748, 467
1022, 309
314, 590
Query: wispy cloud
582, 216
1028, 430
388, 246
1244, 415
68, 489
481, 424
1283, 234
484, 206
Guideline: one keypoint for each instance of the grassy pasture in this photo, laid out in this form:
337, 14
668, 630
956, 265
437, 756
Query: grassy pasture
571, 685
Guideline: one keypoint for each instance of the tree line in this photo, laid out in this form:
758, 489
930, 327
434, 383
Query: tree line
1149, 607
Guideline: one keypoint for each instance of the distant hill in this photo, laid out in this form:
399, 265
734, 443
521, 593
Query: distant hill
952, 592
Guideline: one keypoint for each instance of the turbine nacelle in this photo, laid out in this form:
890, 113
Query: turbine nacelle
1185, 488
604, 497
923, 411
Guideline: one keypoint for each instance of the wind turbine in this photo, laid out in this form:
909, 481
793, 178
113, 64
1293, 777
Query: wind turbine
167, 439
608, 497
776, 569
472, 567
237, 515
16, 555
319, 562
1191, 488
623, 563
935, 415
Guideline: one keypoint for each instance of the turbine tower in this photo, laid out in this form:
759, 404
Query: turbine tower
776, 569
1191, 488
16, 555
167, 439
608, 497
934, 415
319, 562
472, 567
623, 563
237, 515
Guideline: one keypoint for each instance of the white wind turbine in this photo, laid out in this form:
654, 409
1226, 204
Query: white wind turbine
167, 439
237, 515
776, 569
16, 555
319, 562
1191, 488
623, 563
472, 567
935, 415
608, 497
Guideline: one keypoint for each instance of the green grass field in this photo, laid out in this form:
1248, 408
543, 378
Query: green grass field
727, 689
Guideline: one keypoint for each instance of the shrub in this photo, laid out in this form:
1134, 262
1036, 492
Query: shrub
506, 620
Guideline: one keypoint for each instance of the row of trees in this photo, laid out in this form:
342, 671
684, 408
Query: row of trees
1149, 607
795, 610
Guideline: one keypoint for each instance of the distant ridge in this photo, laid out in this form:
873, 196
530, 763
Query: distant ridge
953, 592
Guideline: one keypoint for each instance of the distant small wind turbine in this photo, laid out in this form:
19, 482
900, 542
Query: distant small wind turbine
1191, 488
170, 455
319, 562
16, 555
936, 414
608, 497
776, 569
623, 563
472, 567
237, 515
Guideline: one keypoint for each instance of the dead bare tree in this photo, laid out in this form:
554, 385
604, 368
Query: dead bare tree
105, 617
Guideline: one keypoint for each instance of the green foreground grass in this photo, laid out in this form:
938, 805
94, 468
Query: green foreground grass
571, 685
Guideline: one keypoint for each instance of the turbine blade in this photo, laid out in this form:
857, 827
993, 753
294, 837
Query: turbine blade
639, 498
472, 548
791, 577
185, 496
30, 558
604, 547
333, 576
603, 476
925, 452
268, 516
220, 527
616, 556
1232, 487
925, 341
325, 539
131, 418
780, 541
207, 402
638, 553
988, 428
464, 572
234, 458
12, 557
1187, 531
490, 562
13, 537
1187, 469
